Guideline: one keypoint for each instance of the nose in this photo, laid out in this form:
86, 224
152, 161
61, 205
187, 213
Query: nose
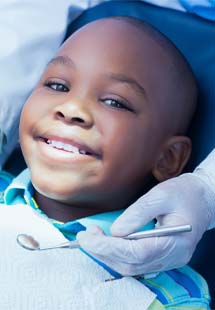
74, 113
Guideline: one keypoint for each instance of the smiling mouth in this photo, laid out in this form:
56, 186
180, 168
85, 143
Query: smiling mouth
67, 147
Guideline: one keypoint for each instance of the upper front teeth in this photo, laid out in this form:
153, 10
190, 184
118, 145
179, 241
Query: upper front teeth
64, 146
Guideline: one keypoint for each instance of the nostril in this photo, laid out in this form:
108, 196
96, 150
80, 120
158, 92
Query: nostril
60, 115
77, 119
66, 118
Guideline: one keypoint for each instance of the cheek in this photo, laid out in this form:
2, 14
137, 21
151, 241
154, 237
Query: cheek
33, 111
123, 141
25, 121
122, 136
38, 103
131, 149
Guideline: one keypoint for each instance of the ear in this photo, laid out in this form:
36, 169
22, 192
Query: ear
173, 158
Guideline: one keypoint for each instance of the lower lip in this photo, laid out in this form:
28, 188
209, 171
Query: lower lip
61, 156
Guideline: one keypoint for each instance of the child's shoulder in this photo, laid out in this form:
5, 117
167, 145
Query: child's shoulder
181, 288
5, 180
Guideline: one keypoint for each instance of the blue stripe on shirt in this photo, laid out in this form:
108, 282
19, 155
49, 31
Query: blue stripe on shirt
186, 282
160, 296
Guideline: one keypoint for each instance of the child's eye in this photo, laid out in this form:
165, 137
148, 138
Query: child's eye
116, 103
56, 86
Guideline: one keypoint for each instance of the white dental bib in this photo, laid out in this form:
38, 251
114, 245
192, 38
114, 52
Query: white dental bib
56, 279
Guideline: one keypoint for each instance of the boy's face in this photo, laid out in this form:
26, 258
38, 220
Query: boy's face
91, 131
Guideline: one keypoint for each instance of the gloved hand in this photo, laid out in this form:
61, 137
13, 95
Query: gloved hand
188, 199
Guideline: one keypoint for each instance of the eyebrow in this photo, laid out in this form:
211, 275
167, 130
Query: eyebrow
62, 60
128, 80
67, 61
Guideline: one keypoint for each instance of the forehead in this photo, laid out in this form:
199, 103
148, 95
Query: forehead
116, 42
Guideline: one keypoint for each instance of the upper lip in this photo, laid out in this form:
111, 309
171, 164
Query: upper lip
76, 142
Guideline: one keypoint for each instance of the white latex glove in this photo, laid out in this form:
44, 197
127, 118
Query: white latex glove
188, 199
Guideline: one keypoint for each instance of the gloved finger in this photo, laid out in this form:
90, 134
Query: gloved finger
141, 256
139, 251
95, 230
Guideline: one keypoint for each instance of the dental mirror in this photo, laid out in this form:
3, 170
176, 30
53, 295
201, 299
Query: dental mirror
29, 243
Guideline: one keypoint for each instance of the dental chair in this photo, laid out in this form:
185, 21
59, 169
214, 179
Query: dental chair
195, 38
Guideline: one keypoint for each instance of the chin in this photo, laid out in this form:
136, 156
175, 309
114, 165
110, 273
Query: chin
57, 192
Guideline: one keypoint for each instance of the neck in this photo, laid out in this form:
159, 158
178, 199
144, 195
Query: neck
74, 210
69, 212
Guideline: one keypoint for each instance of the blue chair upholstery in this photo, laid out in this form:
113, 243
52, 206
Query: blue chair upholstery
195, 38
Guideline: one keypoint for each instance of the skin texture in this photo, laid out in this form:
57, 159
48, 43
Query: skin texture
107, 92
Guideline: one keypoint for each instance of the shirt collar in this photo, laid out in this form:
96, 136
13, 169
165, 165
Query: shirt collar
21, 185
103, 220
18, 187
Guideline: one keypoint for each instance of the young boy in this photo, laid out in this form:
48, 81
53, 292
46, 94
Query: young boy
108, 115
